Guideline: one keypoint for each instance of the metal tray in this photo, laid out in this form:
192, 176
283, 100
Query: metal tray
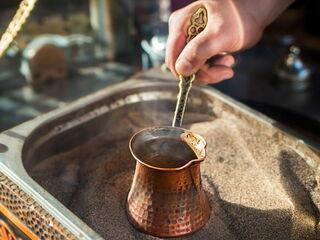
65, 175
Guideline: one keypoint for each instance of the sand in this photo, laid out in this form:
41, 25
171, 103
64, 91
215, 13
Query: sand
258, 188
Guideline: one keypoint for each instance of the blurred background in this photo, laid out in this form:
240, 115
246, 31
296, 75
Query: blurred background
69, 49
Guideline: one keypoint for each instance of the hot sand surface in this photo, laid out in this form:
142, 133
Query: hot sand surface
258, 187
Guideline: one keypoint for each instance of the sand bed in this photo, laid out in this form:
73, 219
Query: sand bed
257, 187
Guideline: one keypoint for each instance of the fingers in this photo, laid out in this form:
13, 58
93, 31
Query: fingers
216, 69
179, 22
206, 44
221, 59
175, 43
176, 39
196, 53
213, 74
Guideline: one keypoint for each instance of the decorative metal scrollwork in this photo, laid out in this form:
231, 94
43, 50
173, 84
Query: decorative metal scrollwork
23, 12
198, 23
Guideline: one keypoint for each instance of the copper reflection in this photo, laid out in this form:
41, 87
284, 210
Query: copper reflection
166, 198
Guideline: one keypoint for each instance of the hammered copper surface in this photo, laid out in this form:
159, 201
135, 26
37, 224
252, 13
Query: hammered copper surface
166, 198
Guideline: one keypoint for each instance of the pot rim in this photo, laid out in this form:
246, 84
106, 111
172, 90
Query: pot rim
162, 168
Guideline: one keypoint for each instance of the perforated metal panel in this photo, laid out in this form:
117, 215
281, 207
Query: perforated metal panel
30, 213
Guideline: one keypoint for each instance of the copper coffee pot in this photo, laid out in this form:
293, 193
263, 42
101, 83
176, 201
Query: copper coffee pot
166, 198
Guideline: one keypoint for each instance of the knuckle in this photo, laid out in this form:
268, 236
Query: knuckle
211, 5
168, 62
194, 53
172, 17
235, 44
193, 60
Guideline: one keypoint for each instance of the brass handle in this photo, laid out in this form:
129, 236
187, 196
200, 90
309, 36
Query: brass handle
16, 23
198, 23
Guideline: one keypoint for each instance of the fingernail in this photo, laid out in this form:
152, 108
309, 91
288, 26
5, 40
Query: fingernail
230, 62
227, 75
184, 67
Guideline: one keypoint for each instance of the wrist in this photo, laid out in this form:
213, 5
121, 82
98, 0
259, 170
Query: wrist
263, 12
257, 15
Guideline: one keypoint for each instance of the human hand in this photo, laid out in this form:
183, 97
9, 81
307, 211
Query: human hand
232, 25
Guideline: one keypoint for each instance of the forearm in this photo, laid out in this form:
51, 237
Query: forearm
255, 15
264, 12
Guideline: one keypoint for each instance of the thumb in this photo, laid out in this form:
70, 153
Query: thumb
196, 53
